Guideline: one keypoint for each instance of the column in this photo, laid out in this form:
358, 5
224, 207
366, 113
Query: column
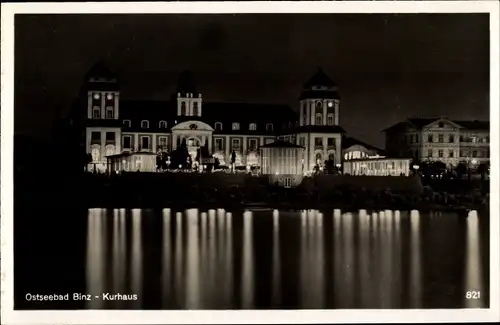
308, 112
244, 155
153, 143
118, 139
117, 108
174, 142
325, 148
210, 140
89, 105
136, 142
228, 154
312, 157
313, 114
301, 116
338, 149
337, 112
103, 105
324, 112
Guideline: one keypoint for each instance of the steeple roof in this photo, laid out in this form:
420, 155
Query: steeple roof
320, 79
320, 86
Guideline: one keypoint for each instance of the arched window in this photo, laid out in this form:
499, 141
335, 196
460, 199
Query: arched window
252, 127
183, 108
127, 123
319, 157
218, 126
163, 124
330, 120
145, 124
236, 126
269, 127
319, 119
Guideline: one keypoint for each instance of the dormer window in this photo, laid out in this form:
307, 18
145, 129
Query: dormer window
235, 126
218, 126
109, 113
96, 112
163, 124
145, 124
127, 123
269, 127
252, 127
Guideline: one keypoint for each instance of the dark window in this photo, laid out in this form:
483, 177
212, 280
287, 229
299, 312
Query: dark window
252, 144
269, 127
145, 142
219, 144
474, 153
110, 136
127, 142
441, 125
331, 142
430, 138
451, 153
218, 126
183, 108
127, 123
451, 139
95, 137
96, 112
318, 141
109, 113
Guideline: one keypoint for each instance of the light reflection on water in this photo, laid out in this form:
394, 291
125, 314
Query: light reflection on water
217, 259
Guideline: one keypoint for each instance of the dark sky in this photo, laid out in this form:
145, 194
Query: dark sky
388, 67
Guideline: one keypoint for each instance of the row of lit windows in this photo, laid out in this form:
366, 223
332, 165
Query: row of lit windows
236, 144
184, 110
414, 138
145, 124
319, 119
236, 126
96, 113
463, 153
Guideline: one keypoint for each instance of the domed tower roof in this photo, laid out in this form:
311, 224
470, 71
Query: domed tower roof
185, 83
320, 86
100, 77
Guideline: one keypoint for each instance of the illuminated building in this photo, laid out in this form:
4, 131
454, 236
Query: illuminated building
378, 166
113, 126
440, 139
283, 162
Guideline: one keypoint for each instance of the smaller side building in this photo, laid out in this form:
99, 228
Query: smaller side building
283, 163
378, 167
132, 162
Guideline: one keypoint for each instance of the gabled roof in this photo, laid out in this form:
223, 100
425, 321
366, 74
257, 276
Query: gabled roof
320, 86
348, 142
419, 123
281, 144
100, 70
474, 125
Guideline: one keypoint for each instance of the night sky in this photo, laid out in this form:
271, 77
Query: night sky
388, 67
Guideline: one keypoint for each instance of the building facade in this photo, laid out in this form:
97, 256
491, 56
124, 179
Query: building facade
378, 167
114, 126
440, 139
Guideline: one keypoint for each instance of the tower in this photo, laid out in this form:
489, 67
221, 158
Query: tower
319, 101
102, 128
319, 131
189, 101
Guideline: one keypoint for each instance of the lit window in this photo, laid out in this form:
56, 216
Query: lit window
145, 124
218, 126
330, 119
319, 119
127, 123
269, 126
252, 127
441, 138
236, 144
195, 108
236, 126
163, 124
95, 154
109, 113
96, 112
